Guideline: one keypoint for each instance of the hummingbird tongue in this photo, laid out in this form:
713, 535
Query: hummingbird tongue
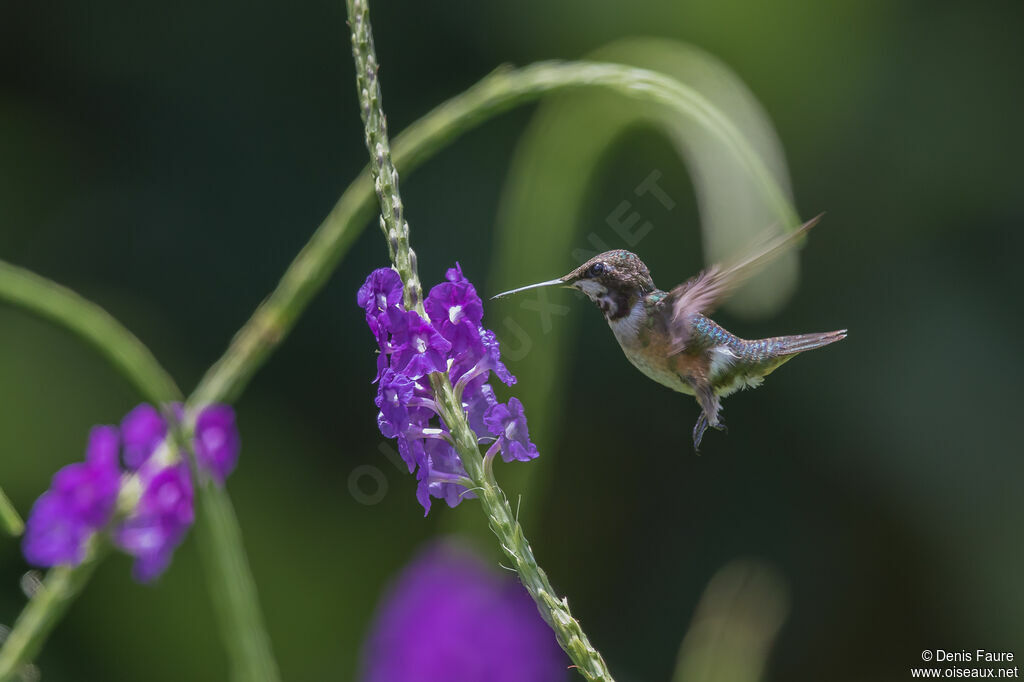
549, 283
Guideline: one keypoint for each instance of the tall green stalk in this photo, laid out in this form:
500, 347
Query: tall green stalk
9, 518
94, 325
493, 501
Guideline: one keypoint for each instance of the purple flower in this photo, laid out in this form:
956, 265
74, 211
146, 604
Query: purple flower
159, 522
381, 290
454, 341
80, 501
455, 274
456, 312
142, 429
217, 441
410, 443
451, 618
439, 469
393, 395
53, 535
83, 496
489, 341
481, 358
90, 488
508, 423
417, 347
477, 398
397, 419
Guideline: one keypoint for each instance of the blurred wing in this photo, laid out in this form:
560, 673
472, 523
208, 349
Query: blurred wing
701, 294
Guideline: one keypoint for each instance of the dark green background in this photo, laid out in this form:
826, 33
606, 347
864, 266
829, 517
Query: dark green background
167, 161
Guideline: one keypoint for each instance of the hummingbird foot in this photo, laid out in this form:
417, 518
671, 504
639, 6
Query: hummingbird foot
701, 426
698, 431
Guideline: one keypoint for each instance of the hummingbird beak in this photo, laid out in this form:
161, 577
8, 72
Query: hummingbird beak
549, 283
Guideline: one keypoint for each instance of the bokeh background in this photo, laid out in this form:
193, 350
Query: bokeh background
168, 160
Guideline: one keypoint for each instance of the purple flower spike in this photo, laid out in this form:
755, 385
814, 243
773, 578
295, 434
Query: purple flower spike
417, 347
508, 423
382, 290
142, 429
217, 441
453, 341
456, 312
158, 525
451, 618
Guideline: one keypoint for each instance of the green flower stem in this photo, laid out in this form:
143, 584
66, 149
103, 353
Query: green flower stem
9, 518
504, 524
232, 588
229, 577
94, 325
385, 177
43, 612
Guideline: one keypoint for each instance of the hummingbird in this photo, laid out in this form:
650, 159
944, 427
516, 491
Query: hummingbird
668, 335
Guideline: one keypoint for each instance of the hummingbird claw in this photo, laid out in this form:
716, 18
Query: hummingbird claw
701, 426
698, 431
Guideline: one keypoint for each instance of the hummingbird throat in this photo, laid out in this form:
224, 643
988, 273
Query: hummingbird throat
614, 303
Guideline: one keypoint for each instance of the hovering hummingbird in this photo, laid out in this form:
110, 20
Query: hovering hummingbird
667, 336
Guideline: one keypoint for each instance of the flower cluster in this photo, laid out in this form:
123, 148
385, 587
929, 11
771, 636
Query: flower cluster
450, 616
154, 491
454, 341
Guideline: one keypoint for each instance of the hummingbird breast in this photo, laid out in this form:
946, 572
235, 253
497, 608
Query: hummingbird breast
647, 347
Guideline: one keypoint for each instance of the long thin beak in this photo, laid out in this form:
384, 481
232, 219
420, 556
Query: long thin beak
549, 283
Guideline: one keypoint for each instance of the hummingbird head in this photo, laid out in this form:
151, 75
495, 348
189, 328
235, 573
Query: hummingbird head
614, 280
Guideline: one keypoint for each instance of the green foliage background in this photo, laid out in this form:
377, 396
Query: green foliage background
168, 160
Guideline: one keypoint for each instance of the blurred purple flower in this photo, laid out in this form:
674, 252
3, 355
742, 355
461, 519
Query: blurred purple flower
83, 496
53, 535
451, 618
142, 429
80, 501
159, 522
217, 441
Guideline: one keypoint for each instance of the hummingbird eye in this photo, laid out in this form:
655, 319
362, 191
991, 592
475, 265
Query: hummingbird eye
596, 270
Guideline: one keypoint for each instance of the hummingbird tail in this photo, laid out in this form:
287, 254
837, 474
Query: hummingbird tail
791, 345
